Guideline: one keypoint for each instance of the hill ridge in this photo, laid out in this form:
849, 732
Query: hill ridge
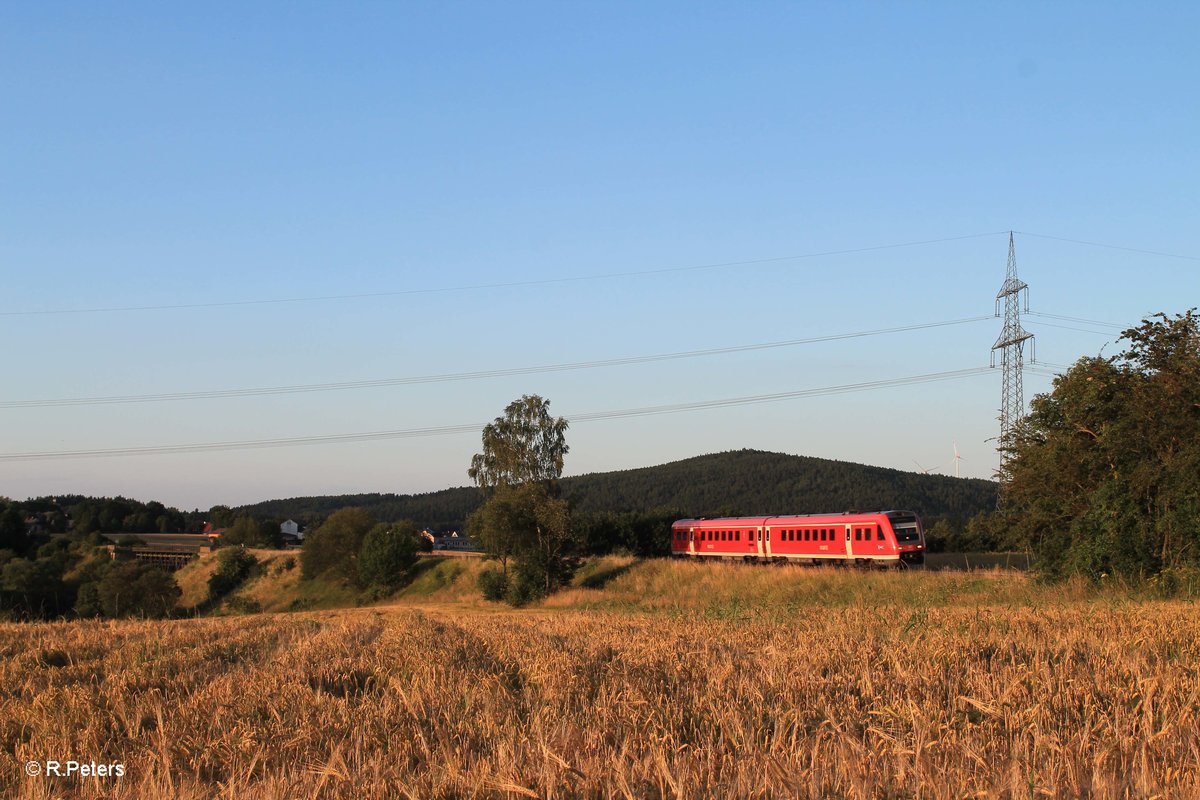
726, 483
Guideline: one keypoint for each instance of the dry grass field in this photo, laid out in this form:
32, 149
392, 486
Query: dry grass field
918, 685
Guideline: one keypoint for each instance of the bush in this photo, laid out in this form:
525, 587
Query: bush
492, 584
524, 587
387, 553
234, 565
137, 589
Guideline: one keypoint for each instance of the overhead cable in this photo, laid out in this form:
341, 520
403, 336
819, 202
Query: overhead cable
497, 285
464, 376
475, 427
1110, 246
1076, 319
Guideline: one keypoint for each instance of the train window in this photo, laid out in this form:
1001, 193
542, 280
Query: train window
858, 534
879, 534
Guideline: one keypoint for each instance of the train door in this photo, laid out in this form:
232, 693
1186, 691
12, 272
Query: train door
849, 542
691, 542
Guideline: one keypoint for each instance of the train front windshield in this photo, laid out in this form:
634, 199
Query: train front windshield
907, 528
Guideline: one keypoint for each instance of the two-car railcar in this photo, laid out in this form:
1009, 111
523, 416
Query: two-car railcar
882, 537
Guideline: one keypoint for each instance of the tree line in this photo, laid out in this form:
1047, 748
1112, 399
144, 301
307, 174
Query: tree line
1102, 478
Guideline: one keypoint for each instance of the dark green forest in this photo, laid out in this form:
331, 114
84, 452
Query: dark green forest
720, 484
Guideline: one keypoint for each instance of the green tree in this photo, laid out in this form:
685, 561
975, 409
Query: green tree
221, 516
251, 532
137, 589
36, 587
335, 545
388, 552
526, 445
1103, 476
523, 517
12, 528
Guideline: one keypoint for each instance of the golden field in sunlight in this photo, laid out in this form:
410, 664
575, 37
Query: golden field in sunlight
862, 696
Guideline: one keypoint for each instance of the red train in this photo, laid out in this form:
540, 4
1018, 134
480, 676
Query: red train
883, 538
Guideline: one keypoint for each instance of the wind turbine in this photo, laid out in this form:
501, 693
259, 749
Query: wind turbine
923, 470
957, 458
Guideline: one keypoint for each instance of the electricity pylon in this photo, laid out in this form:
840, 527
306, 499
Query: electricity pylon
1011, 345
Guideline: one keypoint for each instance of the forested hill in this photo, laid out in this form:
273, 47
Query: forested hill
720, 484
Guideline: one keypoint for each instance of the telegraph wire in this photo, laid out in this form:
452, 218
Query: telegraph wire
1109, 334
1076, 319
1110, 246
464, 376
482, 286
444, 430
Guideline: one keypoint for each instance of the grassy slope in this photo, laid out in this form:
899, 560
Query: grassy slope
274, 585
659, 586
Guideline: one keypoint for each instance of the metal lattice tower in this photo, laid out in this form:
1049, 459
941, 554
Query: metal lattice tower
1011, 345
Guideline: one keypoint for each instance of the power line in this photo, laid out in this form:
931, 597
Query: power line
482, 286
444, 430
463, 376
1076, 319
1109, 334
1110, 246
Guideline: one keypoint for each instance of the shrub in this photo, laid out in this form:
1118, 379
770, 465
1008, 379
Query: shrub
492, 584
387, 553
137, 589
234, 565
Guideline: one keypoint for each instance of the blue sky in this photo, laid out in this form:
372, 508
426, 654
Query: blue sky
164, 156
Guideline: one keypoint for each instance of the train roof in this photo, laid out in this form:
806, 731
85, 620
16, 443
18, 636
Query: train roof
708, 520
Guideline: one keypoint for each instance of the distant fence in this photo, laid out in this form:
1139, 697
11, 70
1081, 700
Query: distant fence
972, 561
454, 554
